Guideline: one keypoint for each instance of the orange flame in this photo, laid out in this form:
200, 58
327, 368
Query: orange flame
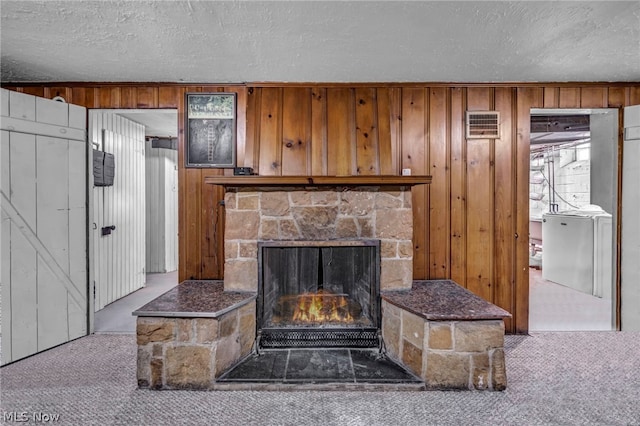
322, 307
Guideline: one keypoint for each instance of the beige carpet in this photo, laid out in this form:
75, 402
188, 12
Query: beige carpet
578, 378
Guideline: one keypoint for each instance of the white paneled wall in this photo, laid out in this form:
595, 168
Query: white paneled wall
162, 209
119, 258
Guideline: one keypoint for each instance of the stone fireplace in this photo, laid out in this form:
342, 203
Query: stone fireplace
323, 265
328, 250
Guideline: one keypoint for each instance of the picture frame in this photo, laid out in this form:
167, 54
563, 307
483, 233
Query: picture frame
210, 130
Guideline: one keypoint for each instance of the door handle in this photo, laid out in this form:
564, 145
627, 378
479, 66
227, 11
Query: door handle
106, 230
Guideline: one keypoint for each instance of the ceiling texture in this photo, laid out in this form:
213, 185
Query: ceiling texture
319, 41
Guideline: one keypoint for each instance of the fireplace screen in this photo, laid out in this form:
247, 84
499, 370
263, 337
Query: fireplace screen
314, 289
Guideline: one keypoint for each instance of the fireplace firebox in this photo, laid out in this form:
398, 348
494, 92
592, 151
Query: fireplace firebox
318, 294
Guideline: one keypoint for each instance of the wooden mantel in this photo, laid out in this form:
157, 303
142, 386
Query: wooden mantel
231, 181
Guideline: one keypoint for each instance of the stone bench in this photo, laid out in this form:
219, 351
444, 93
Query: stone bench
190, 335
446, 335
449, 337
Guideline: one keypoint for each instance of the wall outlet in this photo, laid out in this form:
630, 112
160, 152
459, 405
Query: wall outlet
406, 172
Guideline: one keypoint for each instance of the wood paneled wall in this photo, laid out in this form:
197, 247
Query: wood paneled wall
471, 223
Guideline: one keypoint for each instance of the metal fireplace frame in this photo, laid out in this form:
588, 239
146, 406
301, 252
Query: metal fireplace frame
356, 336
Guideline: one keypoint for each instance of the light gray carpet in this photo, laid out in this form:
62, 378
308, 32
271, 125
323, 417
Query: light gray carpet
578, 378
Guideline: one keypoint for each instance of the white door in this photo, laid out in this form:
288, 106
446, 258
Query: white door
118, 210
630, 261
44, 267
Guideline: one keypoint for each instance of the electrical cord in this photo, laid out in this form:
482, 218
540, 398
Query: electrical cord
554, 191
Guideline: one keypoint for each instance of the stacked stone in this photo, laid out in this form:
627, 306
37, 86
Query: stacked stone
447, 354
190, 353
318, 214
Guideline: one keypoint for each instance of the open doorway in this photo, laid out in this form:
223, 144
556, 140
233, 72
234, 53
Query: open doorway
572, 216
135, 219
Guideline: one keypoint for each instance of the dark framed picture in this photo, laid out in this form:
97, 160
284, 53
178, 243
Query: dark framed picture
211, 130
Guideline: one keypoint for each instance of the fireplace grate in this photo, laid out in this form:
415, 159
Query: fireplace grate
271, 338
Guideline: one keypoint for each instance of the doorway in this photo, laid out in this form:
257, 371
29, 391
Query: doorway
134, 219
572, 219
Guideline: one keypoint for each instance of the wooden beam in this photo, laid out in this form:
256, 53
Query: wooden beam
317, 180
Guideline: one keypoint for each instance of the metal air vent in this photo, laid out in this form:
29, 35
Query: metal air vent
483, 125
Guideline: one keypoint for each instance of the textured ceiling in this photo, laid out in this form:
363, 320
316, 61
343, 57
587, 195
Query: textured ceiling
358, 41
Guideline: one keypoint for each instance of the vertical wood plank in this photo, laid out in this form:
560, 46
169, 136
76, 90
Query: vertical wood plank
140, 219
504, 203
414, 157
5, 239
569, 97
367, 151
319, 131
458, 187
128, 97
111, 280
147, 97
77, 217
109, 97
252, 127
593, 97
183, 228
52, 201
35, 91
85, 97
387, 152
439, 190
94, 123
551, 97
241, 122
340, 132
395, 126
527, 98
152, 215
615, 97
480, 202
296, 131
192, 211
168, 96
24, 259
270, 132
634, 95
172, 210
212, 228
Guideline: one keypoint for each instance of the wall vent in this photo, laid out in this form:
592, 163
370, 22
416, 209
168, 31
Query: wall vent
483, 125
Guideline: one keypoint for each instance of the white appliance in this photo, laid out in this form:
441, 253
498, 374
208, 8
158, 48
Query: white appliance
576, 251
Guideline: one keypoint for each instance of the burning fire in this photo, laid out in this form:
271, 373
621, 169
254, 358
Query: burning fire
322, 307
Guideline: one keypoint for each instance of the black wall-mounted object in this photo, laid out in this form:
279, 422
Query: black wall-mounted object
104, 168
166, 143
106, 230
243, 171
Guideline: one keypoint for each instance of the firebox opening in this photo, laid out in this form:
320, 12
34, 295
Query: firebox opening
318, 291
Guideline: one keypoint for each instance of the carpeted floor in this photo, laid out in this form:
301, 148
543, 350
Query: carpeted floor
578, 378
